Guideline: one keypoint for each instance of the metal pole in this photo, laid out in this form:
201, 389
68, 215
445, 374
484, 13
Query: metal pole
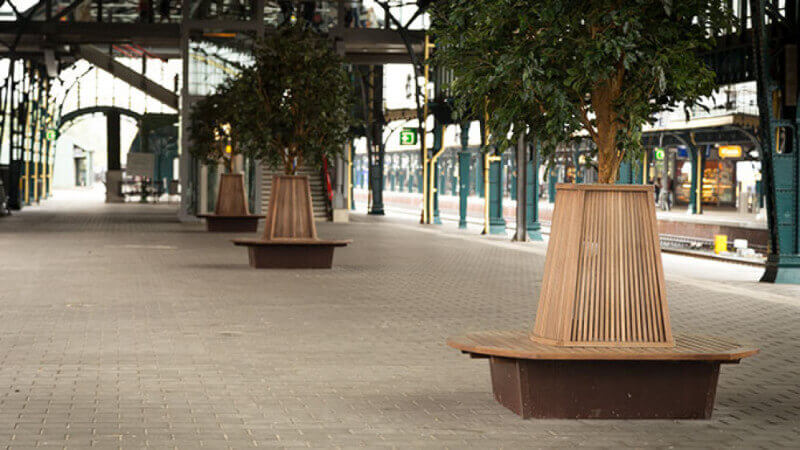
533, 226
522, 189
423, 125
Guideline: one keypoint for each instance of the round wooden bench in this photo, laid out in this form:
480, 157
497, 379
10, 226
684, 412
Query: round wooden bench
547, 381
291, 253
231, 214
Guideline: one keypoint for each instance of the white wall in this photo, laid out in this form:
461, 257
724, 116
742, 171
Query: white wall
64, 164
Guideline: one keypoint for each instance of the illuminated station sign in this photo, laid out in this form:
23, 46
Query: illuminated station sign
730, 151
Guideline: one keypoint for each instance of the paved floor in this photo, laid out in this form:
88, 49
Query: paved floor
121, 327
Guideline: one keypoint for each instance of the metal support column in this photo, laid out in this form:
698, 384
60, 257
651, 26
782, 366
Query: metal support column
113, 140
376, 150
15, 151
779, 131
479, 178
187, 168
576, 163
35, 141
625, 173
494, 169
420, 177
521, 185
552, 179
27, 134
464, 161
433, 170
532, 225
401, 176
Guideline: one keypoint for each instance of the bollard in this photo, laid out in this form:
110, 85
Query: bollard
720, 243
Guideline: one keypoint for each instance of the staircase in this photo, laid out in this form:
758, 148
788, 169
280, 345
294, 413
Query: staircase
318, 197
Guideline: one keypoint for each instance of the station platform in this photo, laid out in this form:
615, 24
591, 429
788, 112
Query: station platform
124, 328
676, 222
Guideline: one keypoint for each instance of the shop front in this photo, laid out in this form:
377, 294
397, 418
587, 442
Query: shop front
729, 174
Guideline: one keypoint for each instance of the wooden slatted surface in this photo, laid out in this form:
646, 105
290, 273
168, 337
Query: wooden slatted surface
316, 181
603, 282
290, 214
517, 344
231, 197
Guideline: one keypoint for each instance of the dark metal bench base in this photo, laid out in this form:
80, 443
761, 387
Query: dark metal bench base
301, 254
590, 389
232, 224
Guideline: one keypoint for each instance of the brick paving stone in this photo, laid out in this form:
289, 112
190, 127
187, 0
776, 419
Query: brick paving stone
123, 328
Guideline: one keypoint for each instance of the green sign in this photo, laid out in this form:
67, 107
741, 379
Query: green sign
659, 154
408, 136
51, 134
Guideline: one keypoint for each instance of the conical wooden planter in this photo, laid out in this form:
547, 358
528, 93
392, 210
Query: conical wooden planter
290, 235
602, 344
603, 282
231, 214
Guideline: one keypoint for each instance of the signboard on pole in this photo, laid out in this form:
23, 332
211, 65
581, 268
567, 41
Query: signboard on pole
408, 136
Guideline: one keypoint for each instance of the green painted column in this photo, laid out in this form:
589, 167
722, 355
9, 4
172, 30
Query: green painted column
532, 224
401, 179
479, 175
551, 184
630, 172
760, 192
438, 133
464, 178
624, 173
443, 187
454, 185
497, 224
46, 165
576, 163
779, 133
464, 160
636, 172
442, 178
512, 174
410, 175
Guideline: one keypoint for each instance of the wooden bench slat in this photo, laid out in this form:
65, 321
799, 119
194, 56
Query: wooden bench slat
517, 344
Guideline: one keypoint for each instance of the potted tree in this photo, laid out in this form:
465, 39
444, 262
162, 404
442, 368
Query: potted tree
294, 109
215, 139
602, 344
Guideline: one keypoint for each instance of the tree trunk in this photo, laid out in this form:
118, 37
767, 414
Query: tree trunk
604, 96
607, 168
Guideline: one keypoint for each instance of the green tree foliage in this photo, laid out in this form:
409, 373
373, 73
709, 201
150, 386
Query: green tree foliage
299, 100
563, 68
211, 125
292, 106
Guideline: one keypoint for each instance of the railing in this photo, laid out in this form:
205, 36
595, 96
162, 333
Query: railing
327, 177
